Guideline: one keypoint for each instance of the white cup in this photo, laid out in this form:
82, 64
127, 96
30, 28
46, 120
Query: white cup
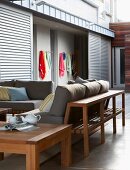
13, 119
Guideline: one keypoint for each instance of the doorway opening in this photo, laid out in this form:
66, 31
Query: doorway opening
119, 68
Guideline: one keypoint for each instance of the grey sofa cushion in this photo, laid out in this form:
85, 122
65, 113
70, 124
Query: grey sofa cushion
92, 88
7, 83
104, 86
65, 94
36, 90
21, 105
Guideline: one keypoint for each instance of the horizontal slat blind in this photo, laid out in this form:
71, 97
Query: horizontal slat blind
94, 57
15, 45
99, 52
105, 59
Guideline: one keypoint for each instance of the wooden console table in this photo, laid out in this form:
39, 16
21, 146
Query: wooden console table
85, 128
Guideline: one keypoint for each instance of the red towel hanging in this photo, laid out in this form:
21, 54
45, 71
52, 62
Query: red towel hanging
42, 67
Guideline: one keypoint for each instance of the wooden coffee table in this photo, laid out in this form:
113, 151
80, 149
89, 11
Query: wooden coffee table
33, 142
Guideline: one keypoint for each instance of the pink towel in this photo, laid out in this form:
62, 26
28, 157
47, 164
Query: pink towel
61, 65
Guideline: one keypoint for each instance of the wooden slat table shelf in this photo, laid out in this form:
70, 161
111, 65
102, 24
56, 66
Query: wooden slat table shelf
88, 126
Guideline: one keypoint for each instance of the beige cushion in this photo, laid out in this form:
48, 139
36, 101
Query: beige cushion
104, 86
47, 103
4, 95
92, 88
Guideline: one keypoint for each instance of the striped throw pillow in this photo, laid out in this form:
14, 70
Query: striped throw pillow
4, 94
47, 103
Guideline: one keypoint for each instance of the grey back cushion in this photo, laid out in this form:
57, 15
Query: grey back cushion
65, 94
7, 83
36, 90
92, 88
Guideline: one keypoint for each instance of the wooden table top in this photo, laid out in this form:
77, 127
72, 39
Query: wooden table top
34, 136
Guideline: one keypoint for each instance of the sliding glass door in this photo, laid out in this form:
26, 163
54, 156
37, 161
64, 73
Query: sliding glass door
119, 67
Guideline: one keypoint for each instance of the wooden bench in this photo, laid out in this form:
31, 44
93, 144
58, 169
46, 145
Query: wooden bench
104, 115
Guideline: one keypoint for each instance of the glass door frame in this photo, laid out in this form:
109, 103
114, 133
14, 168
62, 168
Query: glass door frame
117, 68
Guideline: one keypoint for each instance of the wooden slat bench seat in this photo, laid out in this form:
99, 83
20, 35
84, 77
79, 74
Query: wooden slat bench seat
89, 125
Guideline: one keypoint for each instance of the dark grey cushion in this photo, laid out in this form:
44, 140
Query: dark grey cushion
65, 94
7, 83
36, 90
92, 88
71, 82
91, 80
21, 105
104, 86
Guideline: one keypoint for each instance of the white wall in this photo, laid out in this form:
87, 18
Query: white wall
91, 10
105, 21
77, 7
84, 9
42, 43
65, 44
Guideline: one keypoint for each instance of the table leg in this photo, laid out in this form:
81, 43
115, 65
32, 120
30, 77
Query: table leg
85, 131
66, 150
102, 122
123, 109
1, 156
114, 114
32, 158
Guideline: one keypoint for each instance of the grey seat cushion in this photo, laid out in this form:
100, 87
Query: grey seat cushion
65, 94
92, 88
46, 118
21, 105
36, 90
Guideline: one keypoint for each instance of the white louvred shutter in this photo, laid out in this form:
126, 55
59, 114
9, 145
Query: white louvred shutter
99, 52
15, 44
94, 56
